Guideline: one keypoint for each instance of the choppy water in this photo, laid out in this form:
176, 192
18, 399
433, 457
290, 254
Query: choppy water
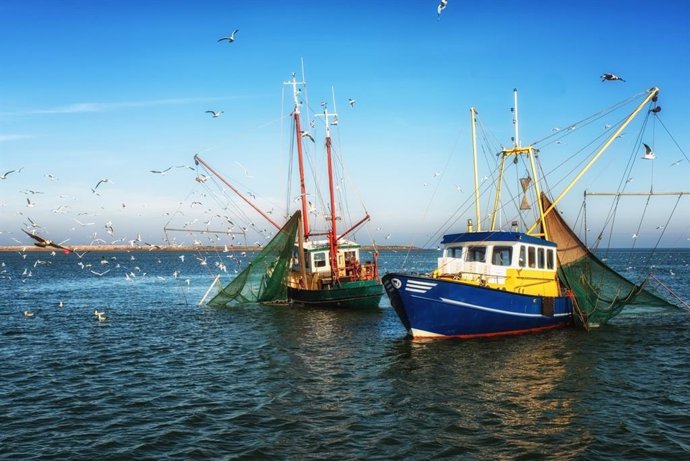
164, 378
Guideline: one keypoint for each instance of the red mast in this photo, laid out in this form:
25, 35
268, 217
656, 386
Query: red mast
332, 234
300, 158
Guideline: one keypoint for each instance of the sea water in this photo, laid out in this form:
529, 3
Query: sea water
162, 377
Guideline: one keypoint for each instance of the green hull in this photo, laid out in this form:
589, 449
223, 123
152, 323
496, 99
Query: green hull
361, 294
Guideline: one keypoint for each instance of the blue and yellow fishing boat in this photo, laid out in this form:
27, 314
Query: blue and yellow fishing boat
500, 282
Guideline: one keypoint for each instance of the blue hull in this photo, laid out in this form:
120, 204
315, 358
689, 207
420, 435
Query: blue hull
431, 307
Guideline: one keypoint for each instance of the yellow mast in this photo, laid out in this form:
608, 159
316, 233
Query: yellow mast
651, 94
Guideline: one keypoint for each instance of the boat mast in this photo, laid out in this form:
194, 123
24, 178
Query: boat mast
300, 156
332, 234
473, 113
517, 150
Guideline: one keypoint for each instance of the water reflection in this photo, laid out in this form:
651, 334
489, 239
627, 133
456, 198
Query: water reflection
499, 397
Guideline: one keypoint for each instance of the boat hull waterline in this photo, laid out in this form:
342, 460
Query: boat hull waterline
357, 294
436, 308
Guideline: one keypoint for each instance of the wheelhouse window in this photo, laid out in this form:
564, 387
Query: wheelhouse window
476, 254
319, 259
522, 261
540, 258
502, 256
549, 259
531, 257
454, 252
350, 256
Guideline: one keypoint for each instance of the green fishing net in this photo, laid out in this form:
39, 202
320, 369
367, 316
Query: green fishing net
262, 281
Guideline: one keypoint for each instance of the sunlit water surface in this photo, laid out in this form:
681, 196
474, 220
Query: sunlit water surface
165, 378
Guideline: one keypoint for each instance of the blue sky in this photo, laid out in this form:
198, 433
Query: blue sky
114, 89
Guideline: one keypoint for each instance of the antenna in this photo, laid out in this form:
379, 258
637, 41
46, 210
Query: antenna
515, 117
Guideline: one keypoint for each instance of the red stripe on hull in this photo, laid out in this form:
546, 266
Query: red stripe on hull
500, 333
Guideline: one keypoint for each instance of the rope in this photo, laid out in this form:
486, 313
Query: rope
673, 293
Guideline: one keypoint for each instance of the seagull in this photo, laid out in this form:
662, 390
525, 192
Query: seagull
61, 304
306, 134
28, 314
246, 171
161, 172
610, 77
99, 183
351, 102
230, 38
656, 110
83, 224
43, 243
215, 113
648, 155
100, 274
4, 175
100, 315
441, 6
52, 177
676, 162
29, 203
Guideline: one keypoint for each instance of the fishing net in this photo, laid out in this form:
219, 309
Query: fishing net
262, 281
600, 292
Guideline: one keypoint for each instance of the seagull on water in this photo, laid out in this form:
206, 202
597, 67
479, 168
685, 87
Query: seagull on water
610, 77
28, 314
215, 113
230, 38
648, 155
100, 315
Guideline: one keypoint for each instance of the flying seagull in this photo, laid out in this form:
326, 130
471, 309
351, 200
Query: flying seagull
656, 110
214, 113
306, 134
648, 154
441, 6
4, 175
610, 77
230, 38
43, 243
161, 172
99, 183
351, 102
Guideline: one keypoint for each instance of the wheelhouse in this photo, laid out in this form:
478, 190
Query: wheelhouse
510, 261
